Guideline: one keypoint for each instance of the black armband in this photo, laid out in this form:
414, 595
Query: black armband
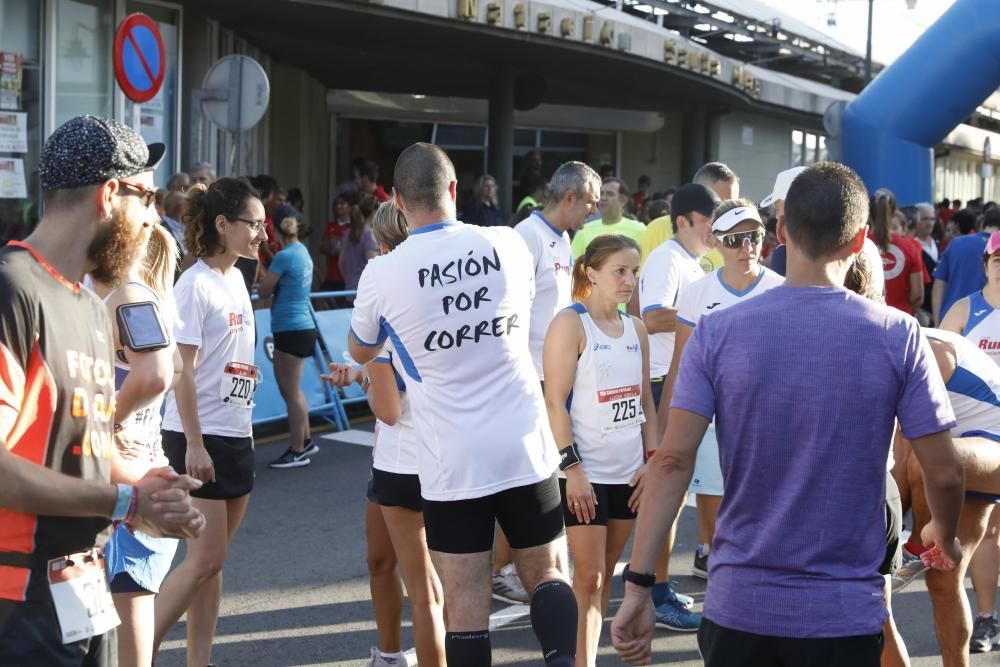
569, 457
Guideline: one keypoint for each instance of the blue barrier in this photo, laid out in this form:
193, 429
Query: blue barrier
323, 400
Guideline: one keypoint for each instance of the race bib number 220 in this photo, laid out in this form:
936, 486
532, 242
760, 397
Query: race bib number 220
239, 382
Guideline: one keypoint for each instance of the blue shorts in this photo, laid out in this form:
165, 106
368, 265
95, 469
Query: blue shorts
145, 559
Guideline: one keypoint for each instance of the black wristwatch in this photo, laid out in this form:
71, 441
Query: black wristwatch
644, 580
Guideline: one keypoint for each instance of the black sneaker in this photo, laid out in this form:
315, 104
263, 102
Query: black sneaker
310, 448
290, 459
700, 567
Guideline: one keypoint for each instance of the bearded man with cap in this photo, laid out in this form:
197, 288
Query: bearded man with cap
668, 271
57, 388
779, 193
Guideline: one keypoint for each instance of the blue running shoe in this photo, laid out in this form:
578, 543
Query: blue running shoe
662, 591
672, 615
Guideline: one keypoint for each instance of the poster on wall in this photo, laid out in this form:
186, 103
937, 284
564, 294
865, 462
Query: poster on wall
12, 183
151, 127
13, 132
10, 80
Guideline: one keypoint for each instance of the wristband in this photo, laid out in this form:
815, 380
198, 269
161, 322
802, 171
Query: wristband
644, 580
133, 505
649, 454
569, 457
122, 502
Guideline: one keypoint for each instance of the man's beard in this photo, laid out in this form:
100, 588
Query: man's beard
114, 250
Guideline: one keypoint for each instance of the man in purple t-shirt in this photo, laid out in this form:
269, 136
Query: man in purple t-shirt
803, 445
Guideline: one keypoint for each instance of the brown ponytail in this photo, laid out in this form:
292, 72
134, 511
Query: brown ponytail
882, 209
594, 257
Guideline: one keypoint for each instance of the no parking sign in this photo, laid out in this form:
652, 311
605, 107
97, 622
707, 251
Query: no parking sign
139, 58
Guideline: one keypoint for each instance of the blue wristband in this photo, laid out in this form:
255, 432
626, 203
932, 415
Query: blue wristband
122, 503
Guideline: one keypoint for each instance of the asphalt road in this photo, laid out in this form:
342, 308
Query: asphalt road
296, 587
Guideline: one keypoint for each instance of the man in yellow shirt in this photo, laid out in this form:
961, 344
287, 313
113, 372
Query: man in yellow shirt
614, 195
717, 177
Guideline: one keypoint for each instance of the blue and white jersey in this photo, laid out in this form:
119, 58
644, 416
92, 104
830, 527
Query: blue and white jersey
396, 444
711, 294
606, 403
983, 326
974, 388
455, 301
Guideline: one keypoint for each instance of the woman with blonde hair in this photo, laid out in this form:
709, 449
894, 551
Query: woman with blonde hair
394, 522
137, 562
482, 208
289, 279
599, 356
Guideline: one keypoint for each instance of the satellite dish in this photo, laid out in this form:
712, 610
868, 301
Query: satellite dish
833, 118
236, 93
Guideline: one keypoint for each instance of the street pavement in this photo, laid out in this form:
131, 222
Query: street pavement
296, 588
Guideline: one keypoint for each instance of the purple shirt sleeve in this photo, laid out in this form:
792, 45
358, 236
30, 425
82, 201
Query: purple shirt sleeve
368, 241
923, 407
693, 390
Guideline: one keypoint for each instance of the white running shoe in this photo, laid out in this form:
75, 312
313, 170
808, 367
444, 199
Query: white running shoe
507, 586
911, 568
380, 659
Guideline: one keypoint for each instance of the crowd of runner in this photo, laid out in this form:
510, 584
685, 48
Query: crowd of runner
542, 396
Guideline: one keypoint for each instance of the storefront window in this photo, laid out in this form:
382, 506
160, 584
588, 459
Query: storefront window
20, 116
157, 118
84, 76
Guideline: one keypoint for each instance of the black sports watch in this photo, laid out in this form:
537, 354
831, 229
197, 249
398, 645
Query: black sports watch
644, 580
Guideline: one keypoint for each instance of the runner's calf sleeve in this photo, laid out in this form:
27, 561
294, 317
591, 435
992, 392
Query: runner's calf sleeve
468, 649
553, 618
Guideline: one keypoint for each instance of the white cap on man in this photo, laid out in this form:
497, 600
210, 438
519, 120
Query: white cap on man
781, 185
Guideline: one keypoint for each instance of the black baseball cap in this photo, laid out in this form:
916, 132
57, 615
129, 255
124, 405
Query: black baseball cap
88, 150
693, 197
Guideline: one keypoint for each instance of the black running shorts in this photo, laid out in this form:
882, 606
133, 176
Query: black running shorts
612, 503
724, 647
395, 490
30, 635
530, 516
300, 343
231, 457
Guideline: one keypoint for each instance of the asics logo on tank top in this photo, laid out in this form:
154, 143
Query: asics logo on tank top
454, 303
893, 262
601, 346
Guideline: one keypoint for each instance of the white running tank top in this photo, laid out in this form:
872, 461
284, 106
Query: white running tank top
974, 388
983, 326
396, 445
606, 403
144, 424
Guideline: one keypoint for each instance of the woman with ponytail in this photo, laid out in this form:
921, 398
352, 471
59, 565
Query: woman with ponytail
600, 356
138, 563
207, 429
358, 245
289, 279
904, 269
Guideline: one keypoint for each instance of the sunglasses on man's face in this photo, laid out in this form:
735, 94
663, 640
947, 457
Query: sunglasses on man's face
146, 195
735, 240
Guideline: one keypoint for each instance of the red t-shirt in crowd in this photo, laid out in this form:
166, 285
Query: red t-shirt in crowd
332, 240
900, 261
380, 194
